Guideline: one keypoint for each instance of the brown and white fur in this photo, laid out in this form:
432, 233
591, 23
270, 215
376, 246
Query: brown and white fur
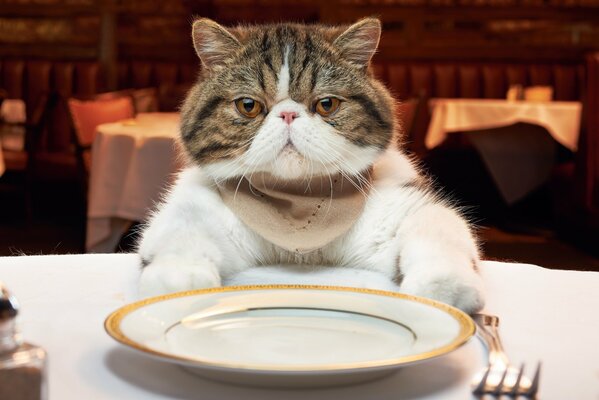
406, 233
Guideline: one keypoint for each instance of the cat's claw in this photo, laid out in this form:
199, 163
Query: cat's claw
162, 278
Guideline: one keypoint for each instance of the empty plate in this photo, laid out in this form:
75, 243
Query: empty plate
287, 335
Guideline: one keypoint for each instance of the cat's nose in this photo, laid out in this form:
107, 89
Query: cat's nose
288, 116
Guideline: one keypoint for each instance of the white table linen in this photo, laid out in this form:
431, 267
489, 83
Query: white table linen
133, 161
547, 315
560, 118
510, 136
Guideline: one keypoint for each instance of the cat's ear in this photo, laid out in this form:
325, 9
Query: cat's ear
359, 42
212, 42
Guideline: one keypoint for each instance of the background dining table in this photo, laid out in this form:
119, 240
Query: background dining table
546, 315
517, 140
133, 161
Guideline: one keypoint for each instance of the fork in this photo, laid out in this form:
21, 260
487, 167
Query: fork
500, 377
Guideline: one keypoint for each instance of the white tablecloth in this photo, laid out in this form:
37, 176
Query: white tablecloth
546, 315
132, 163
560, 118
510, 136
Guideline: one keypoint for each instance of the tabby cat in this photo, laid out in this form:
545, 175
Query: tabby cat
293, 159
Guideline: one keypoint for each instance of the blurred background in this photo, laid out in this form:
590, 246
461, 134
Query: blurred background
499, 103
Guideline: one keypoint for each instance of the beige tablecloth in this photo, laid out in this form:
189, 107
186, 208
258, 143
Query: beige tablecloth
546, 315
132, 163
510, 136
560, 118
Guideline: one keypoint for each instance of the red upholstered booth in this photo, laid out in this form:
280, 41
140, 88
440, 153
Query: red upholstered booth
479, 80
28, 79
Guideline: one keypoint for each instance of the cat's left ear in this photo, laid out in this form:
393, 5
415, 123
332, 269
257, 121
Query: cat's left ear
212, 42
359, 42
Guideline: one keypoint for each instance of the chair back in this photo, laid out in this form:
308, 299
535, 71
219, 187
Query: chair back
145, 100
86, 115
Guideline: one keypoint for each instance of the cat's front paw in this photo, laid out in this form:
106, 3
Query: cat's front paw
464, 291
168, 277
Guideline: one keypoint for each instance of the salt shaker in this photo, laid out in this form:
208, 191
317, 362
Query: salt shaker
22, 365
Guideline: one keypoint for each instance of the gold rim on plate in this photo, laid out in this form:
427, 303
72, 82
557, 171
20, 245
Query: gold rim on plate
112, 325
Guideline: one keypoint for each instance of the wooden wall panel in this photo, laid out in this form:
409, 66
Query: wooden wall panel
414, 30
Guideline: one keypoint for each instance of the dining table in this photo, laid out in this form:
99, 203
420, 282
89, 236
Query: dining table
516, 139
548, 316
133, 162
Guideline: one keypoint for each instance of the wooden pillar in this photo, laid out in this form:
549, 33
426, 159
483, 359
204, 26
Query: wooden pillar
108, 46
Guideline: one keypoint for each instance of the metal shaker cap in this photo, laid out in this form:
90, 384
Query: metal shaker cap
9, 308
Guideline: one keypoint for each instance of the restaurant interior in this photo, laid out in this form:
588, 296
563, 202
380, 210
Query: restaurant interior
498, 102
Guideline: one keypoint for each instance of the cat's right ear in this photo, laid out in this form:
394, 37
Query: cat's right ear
212, 42
359, 42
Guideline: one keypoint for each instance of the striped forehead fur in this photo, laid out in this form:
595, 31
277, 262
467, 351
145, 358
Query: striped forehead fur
274, 62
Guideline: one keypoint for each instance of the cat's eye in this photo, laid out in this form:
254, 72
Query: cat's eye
248, 107
327, 106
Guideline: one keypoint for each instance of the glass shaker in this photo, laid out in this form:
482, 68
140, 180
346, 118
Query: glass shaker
22, 365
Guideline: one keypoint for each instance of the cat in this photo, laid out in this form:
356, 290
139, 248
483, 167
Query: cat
294, 102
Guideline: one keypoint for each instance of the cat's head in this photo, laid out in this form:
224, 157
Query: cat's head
292, 100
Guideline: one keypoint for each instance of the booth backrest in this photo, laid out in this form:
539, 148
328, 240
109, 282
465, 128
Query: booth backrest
479, 80
27, 80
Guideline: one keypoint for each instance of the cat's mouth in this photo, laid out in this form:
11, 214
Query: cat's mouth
288, 148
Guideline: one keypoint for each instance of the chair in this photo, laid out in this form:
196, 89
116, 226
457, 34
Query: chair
145, 100
86, 115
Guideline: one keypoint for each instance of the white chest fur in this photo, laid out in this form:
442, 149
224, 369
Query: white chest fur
404, 233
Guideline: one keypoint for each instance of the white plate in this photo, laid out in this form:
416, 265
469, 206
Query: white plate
287, 335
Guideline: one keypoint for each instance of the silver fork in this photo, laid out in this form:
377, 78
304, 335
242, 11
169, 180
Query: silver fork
500, 377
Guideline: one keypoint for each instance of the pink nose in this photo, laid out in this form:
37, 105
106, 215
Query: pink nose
288, 116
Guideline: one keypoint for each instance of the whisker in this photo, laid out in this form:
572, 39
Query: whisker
330, 191
334, 157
